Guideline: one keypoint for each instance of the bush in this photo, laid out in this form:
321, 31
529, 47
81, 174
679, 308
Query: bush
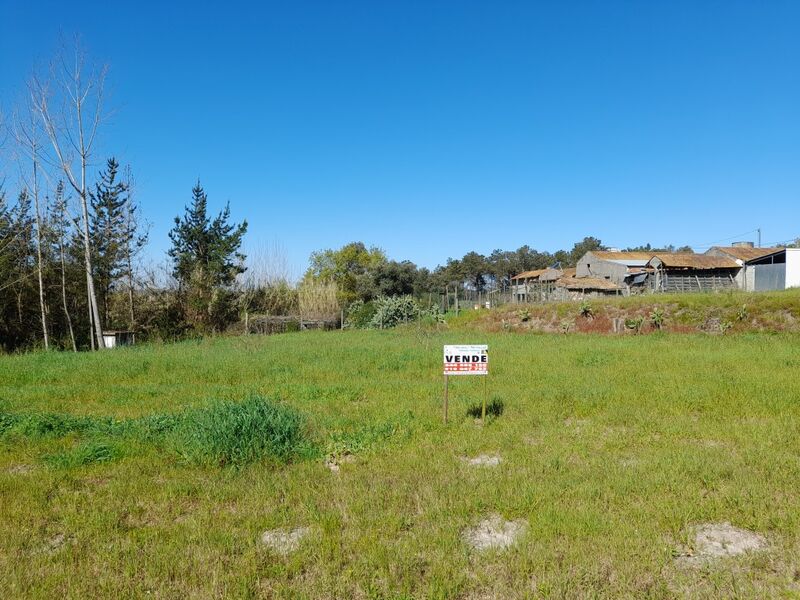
742, 313
434, 315
391, 311
635, 323
237, 433
360, 314
657, 318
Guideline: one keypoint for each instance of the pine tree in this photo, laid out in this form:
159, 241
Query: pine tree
134, 238
18, 289
206, 261
8, 275
108, 232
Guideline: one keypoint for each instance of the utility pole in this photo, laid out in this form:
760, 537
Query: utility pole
759, 237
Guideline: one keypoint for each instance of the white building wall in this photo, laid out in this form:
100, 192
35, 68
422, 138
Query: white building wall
748, 274
792, 267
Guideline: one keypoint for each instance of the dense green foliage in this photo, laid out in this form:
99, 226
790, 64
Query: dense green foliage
366, 274
391, 311
206, 261
115, 236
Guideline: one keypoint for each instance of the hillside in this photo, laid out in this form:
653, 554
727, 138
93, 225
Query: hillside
716, 313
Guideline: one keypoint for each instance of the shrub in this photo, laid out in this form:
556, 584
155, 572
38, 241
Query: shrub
237, 433
360, 314
635, 323
524, 315
391, 311
585, 310
434, 314
657, 317
742, 313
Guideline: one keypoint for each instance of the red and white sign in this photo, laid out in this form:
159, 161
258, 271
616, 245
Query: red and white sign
466, 360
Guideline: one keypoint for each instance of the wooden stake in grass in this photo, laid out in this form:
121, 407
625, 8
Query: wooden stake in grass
483, 408
445, 397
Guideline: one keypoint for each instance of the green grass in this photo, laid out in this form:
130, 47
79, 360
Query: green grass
116, 478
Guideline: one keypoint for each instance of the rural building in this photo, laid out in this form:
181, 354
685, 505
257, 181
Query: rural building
532, 286
763, 268
627, 270
113, 338
578, 288
687, 272
612, 272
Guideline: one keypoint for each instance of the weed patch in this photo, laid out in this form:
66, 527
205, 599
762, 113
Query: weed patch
222, 433
91, 452
237, 433
41, 425
343, 443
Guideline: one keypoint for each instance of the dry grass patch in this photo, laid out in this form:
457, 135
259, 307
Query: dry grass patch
720, 540
494, 533
284, 541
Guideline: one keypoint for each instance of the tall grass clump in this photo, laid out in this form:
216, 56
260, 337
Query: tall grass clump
238, 433
91, 452
318, 300
42, 425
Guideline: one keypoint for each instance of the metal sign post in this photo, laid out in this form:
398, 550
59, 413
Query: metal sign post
466, 360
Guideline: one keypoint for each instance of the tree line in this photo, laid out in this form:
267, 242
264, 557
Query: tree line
72, 236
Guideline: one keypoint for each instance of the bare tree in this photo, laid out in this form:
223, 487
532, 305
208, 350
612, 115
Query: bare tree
72, 131
27, 136
61, 222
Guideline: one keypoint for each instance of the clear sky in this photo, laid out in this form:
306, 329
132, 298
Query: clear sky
434, 128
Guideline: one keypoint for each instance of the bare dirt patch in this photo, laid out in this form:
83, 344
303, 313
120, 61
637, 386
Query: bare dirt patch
720, 540
483, 460
334, 463
54, 543
284, 541
494, 533
19, 469
576, 423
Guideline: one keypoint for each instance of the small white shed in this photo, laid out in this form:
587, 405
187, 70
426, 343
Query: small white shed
112, 339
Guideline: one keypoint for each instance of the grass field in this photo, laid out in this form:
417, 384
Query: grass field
118, 478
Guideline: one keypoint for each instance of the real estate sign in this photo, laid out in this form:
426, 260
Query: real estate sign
466, 360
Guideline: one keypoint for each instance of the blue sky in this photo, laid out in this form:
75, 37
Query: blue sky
435, 128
